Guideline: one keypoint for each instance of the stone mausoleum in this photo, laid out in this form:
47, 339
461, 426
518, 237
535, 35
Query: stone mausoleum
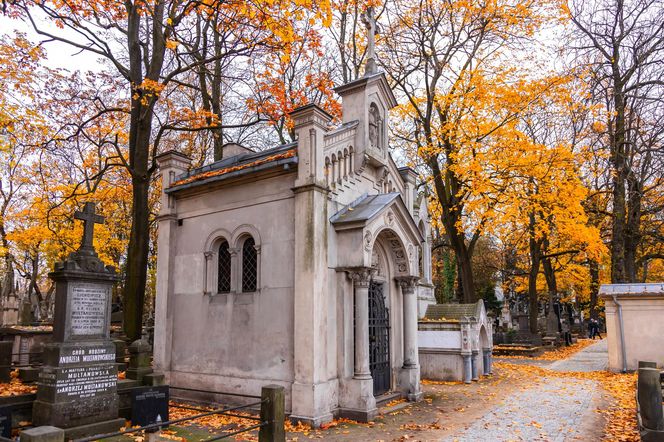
456, 342
304, 265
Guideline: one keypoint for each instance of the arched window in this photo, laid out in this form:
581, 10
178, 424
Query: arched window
224, 270
249, 265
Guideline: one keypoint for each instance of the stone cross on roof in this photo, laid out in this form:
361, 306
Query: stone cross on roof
370, 23
89, 218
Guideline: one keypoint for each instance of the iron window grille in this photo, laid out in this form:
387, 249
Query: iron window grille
224, 275
249, 266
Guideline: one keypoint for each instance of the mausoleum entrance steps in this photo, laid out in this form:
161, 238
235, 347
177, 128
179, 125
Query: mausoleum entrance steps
388, 397
390, 402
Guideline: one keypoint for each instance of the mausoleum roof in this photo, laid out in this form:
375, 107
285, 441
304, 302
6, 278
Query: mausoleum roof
237, 165
634, 289
364, 208
451, 311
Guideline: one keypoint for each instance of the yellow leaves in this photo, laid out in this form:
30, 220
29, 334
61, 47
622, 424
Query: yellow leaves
172, 44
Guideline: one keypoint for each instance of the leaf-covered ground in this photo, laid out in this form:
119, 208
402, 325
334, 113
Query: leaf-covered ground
451, 409
523, 400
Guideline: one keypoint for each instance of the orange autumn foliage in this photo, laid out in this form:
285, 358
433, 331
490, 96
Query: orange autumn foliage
213, 173
16, 387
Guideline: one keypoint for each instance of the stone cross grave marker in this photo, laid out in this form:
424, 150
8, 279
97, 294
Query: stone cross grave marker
77, 388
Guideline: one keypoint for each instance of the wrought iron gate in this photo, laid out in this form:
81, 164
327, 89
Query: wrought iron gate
379, 339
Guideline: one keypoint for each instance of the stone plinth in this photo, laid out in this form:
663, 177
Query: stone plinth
641, 308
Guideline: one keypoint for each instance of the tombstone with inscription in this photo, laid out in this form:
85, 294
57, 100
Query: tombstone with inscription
77, 388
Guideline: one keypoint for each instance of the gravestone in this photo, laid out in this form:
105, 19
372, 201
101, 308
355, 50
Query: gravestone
77, 388
25, 313
6, 422
149, 405
6, 361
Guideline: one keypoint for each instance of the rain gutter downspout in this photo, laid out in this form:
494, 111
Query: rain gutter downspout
622, 334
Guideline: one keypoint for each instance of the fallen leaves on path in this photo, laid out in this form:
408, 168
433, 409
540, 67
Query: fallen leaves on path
550, 355
432, 382
565, 352
395, 402
621, 413
412, 426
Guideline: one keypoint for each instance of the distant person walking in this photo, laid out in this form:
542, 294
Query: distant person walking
566, 333
594, 329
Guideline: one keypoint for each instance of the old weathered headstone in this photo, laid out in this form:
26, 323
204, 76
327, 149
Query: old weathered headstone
78, 382
25, 313
649, 395
5, 360
140, 353
149, 405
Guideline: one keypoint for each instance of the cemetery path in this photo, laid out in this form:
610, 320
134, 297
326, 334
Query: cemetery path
556, 408
592, 358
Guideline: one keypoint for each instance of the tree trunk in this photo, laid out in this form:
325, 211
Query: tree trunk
535, 258
619, 163
632, 227
137, 261
140, 130
452, 210
594, 288
551, 282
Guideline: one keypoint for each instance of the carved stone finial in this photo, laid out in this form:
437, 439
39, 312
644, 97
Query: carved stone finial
370, 23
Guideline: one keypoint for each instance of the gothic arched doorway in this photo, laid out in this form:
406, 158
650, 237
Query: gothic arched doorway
379, 339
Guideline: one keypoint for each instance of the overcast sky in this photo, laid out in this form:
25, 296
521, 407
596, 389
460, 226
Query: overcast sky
60, 55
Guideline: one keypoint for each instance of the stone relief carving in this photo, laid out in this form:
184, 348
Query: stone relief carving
390, 218
374, 121
368, 238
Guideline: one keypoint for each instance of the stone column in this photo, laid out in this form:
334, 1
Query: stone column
171, 164
473, 359
361, 279
466, 351
410, 374
357, 400
467, 369
312, 388
486, 359
411, 357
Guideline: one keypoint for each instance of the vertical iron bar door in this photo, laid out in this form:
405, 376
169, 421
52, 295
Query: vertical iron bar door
379, 339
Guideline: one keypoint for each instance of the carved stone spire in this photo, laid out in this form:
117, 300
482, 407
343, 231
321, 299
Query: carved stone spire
370, 23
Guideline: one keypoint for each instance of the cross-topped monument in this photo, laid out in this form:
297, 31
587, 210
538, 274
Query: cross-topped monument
370, 23
77, 389
89, 218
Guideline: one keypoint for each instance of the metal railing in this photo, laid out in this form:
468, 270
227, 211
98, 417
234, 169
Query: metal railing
270, 423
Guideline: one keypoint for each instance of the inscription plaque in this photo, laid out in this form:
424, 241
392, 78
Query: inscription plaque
6, 422
148, 403
89, 305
